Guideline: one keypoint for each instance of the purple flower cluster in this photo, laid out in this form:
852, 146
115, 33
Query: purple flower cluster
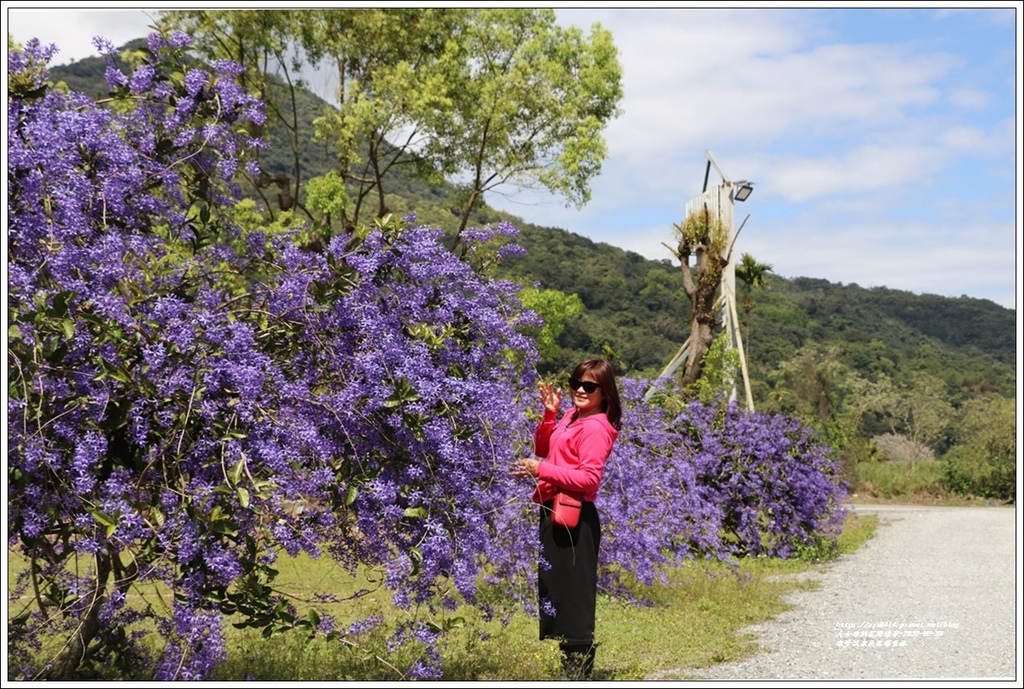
195, 645
714, 481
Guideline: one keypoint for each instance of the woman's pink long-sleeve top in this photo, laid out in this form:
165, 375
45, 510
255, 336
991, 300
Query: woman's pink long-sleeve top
575, 454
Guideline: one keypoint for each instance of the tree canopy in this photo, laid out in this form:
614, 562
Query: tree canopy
483, 97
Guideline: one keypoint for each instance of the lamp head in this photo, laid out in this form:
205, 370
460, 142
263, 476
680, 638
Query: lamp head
741, 190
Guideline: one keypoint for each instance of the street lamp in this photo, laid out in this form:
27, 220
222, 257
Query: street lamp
741, 190
738, 191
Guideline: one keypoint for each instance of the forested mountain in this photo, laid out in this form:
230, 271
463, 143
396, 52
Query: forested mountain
637, 313
637, 307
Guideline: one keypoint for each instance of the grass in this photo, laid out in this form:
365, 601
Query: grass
901, 480
909, 482
696, 619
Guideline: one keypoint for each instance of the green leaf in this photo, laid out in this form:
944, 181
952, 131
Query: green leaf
59, 304
224, 526
416, 512
235, 474
119, 375
403, 393
19, 619
103, 518
108, 522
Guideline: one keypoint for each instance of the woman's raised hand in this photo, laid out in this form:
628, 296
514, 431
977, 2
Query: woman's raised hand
525, 468
550, 397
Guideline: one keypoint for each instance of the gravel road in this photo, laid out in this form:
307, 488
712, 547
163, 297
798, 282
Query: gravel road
931, 596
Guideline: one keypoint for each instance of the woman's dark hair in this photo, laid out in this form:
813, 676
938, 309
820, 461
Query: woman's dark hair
605, 375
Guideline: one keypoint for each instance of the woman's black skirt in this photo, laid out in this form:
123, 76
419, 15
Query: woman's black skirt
569, 585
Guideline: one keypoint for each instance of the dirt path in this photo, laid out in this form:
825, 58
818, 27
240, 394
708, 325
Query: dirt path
934, 595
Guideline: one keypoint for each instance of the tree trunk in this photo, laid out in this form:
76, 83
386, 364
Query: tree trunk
75, 651
702, 333
702, 292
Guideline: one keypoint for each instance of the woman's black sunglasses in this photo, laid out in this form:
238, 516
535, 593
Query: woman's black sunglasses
588, 386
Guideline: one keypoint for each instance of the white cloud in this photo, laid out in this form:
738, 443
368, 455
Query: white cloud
73, 31
976, 140
861, 169
970, 98
696, 77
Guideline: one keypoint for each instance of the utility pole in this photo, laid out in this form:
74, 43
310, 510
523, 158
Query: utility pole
729, 193
721, 201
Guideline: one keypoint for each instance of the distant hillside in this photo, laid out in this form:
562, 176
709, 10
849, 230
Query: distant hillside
638, 308
637, 311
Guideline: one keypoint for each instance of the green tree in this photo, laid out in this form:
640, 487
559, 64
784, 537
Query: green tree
395, 68
659, 293
556, 309
530, 105
817, 387
918, 410
753, 275
488, 97
982, 461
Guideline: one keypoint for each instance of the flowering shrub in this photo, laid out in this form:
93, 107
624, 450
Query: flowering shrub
188, 399
712, 481
182, 407
113, 315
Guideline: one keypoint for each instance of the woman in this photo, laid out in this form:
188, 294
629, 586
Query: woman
575, 450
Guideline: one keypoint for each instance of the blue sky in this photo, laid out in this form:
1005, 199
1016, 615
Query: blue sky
881, 142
